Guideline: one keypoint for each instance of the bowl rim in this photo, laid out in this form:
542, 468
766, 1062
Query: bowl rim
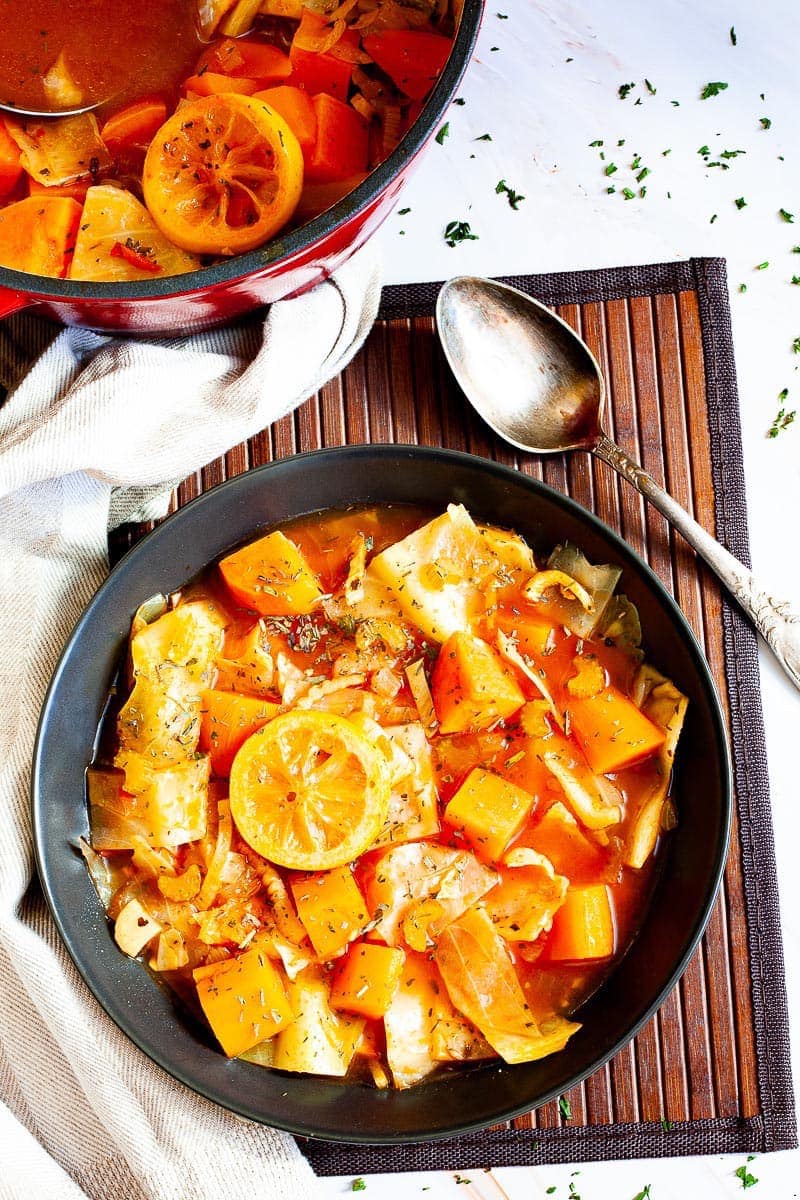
280, 249
47, 865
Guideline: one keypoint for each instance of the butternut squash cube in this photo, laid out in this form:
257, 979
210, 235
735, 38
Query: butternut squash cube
244, 1000
583, 928
489, 810
271, 577
331, 908
227, 719
612, 732
472, 686
367, 980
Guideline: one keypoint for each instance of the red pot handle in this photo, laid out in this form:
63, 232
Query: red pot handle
11, 302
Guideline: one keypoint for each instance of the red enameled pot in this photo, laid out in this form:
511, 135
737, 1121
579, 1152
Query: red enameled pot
284, 267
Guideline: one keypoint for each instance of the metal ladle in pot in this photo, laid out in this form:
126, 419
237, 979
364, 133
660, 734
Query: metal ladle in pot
538, 386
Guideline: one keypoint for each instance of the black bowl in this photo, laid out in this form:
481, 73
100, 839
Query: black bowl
150, 1015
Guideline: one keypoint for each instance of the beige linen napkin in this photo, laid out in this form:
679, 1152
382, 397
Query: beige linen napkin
88, 436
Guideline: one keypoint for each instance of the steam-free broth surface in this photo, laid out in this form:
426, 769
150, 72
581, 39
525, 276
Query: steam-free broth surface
113, 49
385, 795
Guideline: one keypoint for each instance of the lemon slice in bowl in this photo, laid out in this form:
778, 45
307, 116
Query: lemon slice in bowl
309, 791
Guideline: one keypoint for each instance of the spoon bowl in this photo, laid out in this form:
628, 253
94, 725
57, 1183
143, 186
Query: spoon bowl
41, 113
538, 386
520, 366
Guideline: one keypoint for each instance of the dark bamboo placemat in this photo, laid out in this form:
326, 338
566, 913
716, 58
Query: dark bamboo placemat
710, 1073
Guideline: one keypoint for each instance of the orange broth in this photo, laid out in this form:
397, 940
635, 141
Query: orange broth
312, 642
115, 49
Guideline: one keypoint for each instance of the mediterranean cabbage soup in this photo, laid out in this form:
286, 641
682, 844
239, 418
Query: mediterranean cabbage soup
218, 123
382, 793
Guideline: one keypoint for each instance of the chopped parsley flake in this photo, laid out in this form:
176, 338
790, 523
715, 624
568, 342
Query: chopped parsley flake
782, 420
796, 346
762, 266
796, 280
565, 1108
610, 169
401, 212
484, 137
733, 43
549, 1191
787, 216
743, 1172
443, 133
514, 198
742, 287
650, 87
458, 231
501, 16
358, 1185
713, 219
712, 89
765, 122
644, 1194
596, 142
740, 203
704, 151
625, 89
666, 1125
459, 100
628, 193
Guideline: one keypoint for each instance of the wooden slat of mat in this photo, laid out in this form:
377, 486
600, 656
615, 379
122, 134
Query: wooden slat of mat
696, 1058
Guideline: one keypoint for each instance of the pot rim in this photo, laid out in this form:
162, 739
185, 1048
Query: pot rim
281, 249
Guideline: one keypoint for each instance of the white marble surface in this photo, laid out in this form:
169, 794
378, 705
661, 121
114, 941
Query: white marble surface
542, 112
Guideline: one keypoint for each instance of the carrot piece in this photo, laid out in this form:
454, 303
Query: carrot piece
75, 191
244, 999
472, 688
331, 908
412, 59
262, 61
246, 58
489, 810
10, 165
612, 732
367, 980
295, 106
583, 928
135, 125
213, 84
272, 577
38, 235
342, 141
227, 721
315, 72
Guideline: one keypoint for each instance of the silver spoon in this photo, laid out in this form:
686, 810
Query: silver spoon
16, 111
540, 388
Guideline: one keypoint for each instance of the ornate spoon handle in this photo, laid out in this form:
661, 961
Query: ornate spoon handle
773, 619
